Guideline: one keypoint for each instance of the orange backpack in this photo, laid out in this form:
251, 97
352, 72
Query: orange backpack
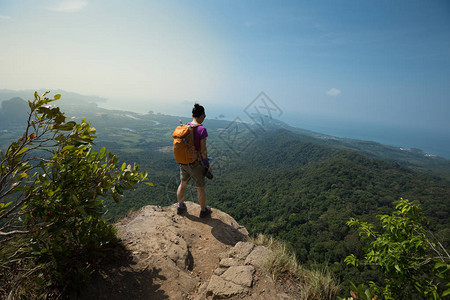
183, 144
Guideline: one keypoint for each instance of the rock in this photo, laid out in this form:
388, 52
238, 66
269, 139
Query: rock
228, 262
221, 288
241, 250
258, 256
241, 275
170, 256
178, 254
222, 255
220, 270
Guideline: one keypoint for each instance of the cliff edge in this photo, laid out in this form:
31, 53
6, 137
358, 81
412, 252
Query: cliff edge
184, 257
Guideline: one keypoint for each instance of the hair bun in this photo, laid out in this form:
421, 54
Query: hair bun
198, 110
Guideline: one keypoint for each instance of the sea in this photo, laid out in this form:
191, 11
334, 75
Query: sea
431, 141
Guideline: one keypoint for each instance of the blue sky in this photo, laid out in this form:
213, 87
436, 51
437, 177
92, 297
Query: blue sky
367, 62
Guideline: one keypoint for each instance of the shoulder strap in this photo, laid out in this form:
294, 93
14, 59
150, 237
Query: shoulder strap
193, 138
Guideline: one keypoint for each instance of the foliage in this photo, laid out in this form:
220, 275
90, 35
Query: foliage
405, 253
51, 181
361, 292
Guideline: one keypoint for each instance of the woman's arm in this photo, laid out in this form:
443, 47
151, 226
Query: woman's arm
203, 150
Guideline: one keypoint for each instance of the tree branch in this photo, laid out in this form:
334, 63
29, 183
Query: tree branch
15, 207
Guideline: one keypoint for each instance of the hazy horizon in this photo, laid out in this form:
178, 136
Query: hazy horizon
432, 141
331, 64
436, 142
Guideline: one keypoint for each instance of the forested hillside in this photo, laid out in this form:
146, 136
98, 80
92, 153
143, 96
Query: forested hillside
304, 193
304, 170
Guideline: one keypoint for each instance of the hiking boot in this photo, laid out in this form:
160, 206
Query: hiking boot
206, 212
181, 209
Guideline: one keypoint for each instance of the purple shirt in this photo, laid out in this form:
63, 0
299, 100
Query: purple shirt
200, 133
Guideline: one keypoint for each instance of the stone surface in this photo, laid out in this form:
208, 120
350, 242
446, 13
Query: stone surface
241, 250
170, 256
241, 275
228, 262
220, 270
258, 256
221, 288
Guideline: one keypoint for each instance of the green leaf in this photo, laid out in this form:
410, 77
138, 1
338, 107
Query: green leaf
368, 294
57, 97
446, 292
21, 151
22, 175
102, 152
5, 205
67, 126
68, 148
119, 189
439, 265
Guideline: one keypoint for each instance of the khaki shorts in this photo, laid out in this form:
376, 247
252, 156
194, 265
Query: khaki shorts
195, 171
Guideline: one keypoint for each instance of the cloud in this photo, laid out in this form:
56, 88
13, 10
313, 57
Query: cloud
6, 18
68, 6
333, 92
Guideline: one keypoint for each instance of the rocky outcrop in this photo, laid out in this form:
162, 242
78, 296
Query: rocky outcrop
235, 273
185, 257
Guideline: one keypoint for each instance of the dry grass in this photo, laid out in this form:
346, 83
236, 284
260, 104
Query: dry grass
316, 283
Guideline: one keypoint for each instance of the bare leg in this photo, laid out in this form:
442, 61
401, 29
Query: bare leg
201, 196
181, 190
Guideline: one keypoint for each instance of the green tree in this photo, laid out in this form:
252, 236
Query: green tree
406, 254
51, 187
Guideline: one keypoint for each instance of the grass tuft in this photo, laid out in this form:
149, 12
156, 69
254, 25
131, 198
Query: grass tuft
317, 283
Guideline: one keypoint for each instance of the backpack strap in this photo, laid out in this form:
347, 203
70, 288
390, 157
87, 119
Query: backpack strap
193, 138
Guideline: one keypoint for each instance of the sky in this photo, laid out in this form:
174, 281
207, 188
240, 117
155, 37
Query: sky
325, 64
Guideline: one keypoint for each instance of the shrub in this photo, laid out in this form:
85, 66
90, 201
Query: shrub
51, 186
414, 265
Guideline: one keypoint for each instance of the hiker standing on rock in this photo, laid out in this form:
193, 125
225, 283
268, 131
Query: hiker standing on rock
191, 154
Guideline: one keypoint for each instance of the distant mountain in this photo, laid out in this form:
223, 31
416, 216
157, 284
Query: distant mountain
13, 111
69, 98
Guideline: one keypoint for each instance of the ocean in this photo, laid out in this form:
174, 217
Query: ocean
436, 142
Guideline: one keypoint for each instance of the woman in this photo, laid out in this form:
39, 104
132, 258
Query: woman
195, 170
